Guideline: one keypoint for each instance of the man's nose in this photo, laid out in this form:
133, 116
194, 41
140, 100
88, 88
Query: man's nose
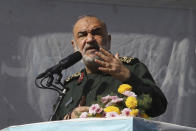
89, 38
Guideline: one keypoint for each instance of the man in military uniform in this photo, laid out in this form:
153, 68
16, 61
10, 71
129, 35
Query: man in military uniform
104, 72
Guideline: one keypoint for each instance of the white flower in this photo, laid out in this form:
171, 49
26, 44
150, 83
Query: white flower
126, 112
84, 115
129, 93
95, 108
111, 114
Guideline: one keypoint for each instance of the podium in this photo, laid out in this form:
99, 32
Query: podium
101, 124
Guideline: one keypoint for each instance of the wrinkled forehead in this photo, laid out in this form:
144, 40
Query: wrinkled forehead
88, 23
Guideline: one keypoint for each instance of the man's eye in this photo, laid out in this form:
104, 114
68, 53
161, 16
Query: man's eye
97, 32
82, 34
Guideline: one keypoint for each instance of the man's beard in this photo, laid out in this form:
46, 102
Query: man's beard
90, 61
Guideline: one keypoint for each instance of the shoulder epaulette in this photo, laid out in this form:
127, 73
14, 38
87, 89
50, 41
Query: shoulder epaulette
74, 76
126, 59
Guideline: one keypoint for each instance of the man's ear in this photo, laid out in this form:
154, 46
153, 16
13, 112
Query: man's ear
74, 45
109, 41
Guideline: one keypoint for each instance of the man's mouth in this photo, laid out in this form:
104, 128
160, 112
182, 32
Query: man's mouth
92, 48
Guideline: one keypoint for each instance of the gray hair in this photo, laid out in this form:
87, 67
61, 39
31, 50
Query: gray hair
91, 16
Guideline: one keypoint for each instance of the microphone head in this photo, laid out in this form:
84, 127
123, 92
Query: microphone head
70, 60
63, 64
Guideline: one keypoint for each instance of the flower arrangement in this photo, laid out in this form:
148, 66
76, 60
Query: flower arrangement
128, 104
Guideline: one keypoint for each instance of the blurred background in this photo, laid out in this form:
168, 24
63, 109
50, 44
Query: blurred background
36, 34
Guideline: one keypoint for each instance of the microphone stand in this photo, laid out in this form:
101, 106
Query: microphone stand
49, 85
57, 106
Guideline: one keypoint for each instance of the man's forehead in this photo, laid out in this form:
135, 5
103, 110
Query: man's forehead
87, 23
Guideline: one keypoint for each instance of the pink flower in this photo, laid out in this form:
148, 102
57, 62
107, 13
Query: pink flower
99, 110
129, 93
114, 97
117, 100
126, 112
114, 101
95, 108
84, 115
105, 99
111, 114
108, 104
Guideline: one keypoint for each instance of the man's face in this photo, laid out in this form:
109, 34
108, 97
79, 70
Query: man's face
89, 35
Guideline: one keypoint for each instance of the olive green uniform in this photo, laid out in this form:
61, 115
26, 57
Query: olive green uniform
92, 85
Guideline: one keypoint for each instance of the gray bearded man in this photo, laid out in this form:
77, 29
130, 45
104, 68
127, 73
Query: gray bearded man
104, 72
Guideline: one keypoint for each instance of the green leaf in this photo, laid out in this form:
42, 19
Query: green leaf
144, 101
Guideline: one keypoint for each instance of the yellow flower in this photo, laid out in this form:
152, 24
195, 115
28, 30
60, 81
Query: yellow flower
124, 87
144, 115
131, 102
98, 115
89, 115
134, 112
112, 109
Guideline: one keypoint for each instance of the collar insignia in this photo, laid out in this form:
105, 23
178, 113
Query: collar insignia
76, 75
126, 59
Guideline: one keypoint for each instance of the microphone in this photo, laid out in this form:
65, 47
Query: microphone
63, 64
